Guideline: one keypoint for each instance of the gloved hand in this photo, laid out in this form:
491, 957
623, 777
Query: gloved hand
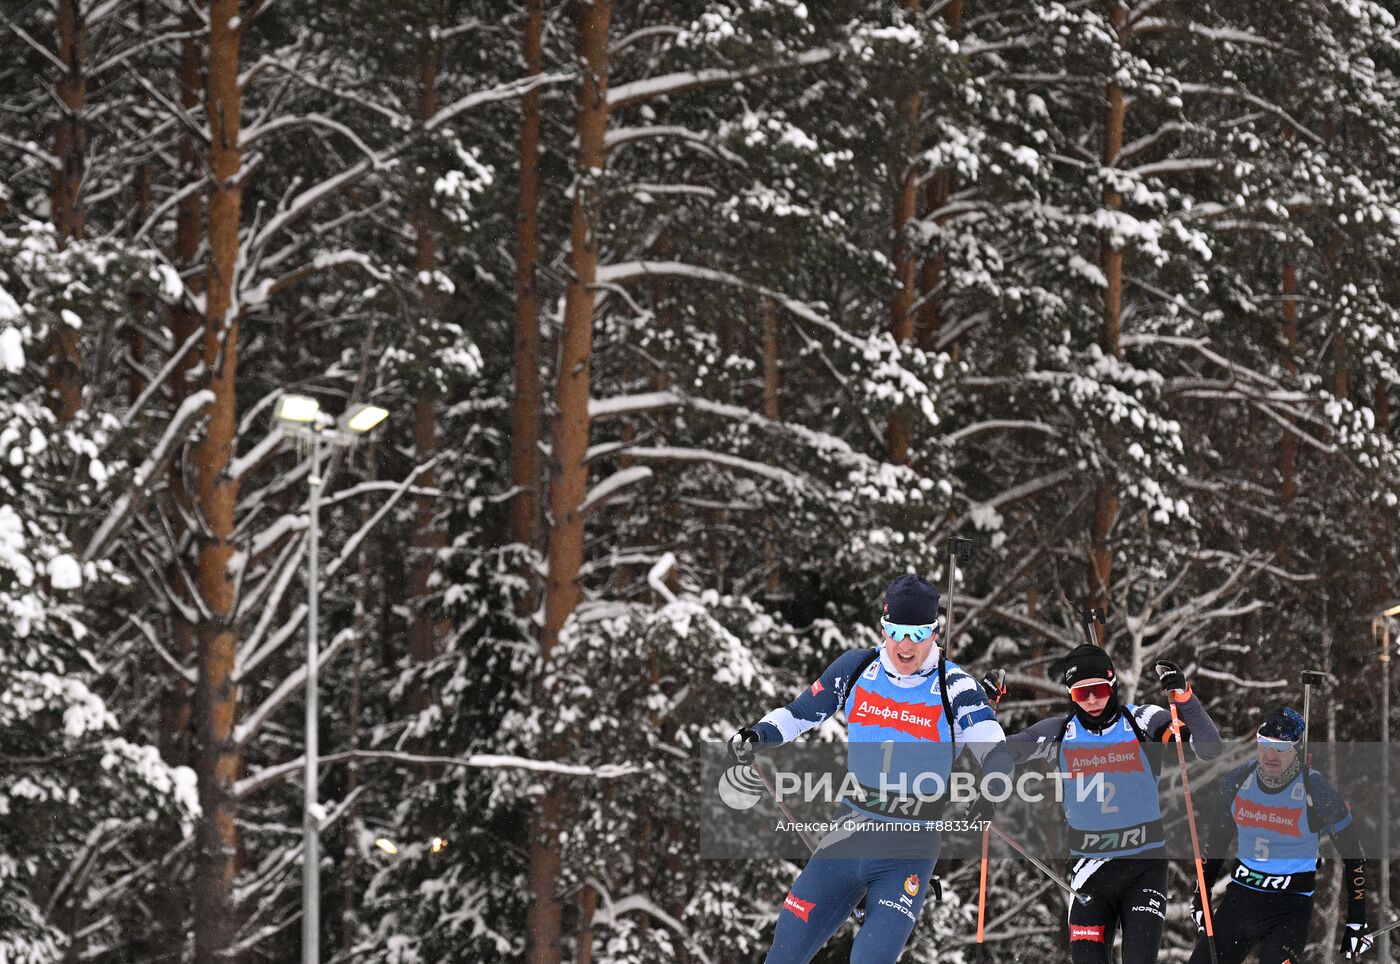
1198, 911
980, 810
1354, 940
743, 746
994, 683
1171, 677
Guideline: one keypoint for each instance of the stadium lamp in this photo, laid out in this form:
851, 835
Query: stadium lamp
362, 418
298, 409
300, 417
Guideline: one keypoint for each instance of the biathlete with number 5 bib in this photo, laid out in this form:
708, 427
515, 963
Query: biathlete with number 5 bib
1278, 810
1114, 833
908, 709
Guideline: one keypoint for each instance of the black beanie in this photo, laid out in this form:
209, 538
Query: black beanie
911, 601
1086, 662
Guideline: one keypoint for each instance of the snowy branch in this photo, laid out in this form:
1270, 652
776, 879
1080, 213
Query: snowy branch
609, 488
515, 88
155, 462
272, 774
251, 723
626, 95
666, 453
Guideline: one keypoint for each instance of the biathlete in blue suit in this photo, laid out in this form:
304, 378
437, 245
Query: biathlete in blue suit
907, 708
1278, 813
1116, 835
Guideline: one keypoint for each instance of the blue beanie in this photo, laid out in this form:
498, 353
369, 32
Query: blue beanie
1283, 723
911, 601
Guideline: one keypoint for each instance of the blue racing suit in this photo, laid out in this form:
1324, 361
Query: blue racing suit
901, 728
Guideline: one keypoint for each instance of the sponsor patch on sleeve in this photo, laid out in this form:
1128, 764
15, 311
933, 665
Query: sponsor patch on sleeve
817, 687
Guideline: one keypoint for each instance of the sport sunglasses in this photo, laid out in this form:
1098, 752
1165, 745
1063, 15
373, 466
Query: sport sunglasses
898, 631
1277, 745
1090, 691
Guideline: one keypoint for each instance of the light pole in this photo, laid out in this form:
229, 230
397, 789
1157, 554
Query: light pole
300, 416
1380, 628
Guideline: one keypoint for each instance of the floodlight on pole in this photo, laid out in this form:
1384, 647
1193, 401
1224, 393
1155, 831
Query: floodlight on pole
300, 409
362, 418
300, 417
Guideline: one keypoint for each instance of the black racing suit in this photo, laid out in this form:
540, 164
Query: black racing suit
1128, 892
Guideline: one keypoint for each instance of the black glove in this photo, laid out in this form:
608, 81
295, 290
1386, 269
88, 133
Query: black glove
980, 810
1171, 677
1198, 912
743, 746
994, 683
1354, 940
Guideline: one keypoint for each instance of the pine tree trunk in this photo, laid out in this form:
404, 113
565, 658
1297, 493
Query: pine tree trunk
936, 194
525, 404
1111, 258
66, 199
905, 209
216, 495
568, 474
428, 537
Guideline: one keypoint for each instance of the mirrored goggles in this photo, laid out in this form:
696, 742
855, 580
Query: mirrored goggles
1277, 745
1082, 692
899, 631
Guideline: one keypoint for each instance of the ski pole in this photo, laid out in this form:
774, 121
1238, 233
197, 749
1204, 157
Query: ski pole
1088, 617
1384, 930
1195, 840
1311, 678
858, 914
1039, 864
957, 549
982, 893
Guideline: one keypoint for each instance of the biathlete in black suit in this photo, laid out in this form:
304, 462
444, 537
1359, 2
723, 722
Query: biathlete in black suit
1115, 832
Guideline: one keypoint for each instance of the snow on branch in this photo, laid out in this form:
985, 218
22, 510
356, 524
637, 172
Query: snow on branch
186, 673
267, 775
625, 95
516, 88
632, 270
667, 453
608, 488
656, 577
155, 462
195, 338
1259, 102
248, 460
1185, 165
641, 903
998, 424
248, 135
251, 723
265, 289
828, 445
303, 202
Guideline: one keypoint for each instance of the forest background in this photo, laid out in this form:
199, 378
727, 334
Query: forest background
697, 322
